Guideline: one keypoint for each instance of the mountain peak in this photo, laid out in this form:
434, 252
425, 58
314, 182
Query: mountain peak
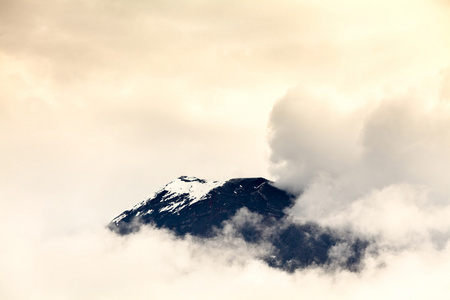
199, 207
186, 196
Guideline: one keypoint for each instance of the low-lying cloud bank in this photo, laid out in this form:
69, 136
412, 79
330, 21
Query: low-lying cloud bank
102, 265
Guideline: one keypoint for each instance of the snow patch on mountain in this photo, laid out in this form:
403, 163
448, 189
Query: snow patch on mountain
117, 219
195, 188
192, 189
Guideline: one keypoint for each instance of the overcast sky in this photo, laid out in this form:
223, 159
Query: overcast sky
104, 102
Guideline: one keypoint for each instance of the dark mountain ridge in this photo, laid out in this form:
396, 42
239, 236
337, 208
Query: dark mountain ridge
201, 208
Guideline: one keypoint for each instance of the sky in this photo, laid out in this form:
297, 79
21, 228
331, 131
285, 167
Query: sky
103, 102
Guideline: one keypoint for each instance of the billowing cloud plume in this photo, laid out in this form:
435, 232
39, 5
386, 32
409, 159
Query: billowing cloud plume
394, 138
374, 160
377, 167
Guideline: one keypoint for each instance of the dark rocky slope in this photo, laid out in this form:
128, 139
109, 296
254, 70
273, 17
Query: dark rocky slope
201, 208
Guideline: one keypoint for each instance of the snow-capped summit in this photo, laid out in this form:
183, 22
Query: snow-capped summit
196, 189
189, 205
177, 194
186, 197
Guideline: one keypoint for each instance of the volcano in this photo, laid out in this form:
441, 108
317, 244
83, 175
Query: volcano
256, 210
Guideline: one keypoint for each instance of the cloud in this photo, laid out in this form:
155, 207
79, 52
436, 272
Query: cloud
398, 137
339, 156
99, 264
372, 159
376, 167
